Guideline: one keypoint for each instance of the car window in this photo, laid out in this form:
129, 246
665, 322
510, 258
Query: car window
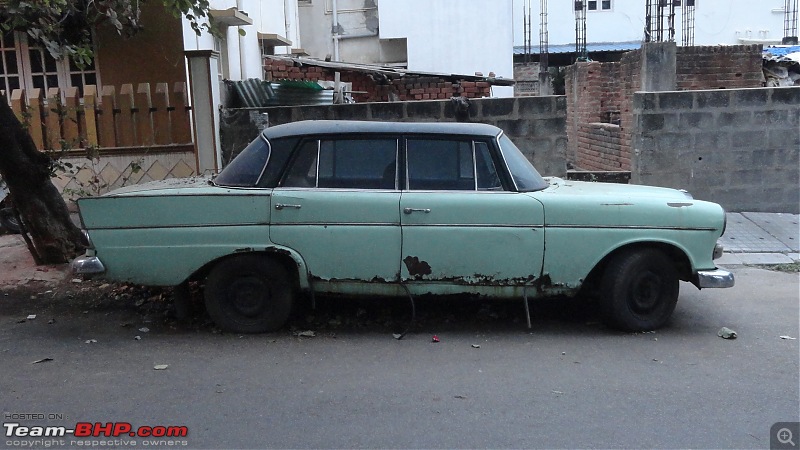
525, 176
456, 165
247, 167
345, 163
488, 180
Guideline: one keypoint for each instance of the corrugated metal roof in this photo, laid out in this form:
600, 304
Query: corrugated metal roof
254, 93
592, 47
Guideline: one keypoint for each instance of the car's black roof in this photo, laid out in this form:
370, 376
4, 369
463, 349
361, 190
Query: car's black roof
313, 127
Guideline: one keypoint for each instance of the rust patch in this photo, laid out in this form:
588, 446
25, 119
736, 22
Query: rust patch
417, 268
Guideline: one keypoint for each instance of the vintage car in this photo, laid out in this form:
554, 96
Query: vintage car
393, 209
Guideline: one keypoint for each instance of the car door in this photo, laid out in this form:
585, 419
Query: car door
460, 226
337, 205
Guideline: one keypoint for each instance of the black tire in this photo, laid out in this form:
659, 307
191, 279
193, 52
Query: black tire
249, 294
182, 302
9, 221
639, 290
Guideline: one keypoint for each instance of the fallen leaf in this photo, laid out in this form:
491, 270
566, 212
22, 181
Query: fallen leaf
788, 338
462, 397
435, 338
476, 346
144, 329
42, 360
31, 316
160, 366
307, 333
91, 341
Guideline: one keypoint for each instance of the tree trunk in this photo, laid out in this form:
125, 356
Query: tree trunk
44, 213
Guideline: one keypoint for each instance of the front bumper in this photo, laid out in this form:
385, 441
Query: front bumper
717, 278
87, 265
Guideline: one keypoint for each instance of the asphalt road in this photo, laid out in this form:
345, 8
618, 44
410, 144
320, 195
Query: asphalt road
566, 383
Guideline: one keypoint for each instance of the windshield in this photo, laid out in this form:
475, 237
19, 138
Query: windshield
525, 176
246, 168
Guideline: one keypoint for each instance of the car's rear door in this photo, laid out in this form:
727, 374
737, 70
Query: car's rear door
460, 227
338, 207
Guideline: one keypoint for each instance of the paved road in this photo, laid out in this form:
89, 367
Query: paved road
567, 383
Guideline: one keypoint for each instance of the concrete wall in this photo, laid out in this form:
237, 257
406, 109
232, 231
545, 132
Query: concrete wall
537, 125
736, 147
600, 95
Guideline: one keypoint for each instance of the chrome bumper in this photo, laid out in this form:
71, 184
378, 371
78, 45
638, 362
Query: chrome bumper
714, 279
87, 265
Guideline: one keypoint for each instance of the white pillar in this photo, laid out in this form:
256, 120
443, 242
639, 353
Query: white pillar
205, 91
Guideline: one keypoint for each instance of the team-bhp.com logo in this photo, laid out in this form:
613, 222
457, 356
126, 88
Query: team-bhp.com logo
97, 429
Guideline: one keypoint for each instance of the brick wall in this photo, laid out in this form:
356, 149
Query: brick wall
526, 76
535, 124
737, 147
719, 67
407, 88
600, 95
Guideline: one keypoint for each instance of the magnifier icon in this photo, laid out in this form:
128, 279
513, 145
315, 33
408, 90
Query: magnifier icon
784, 436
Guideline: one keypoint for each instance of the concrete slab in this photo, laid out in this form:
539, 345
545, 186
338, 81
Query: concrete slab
746, 236
764, 258
784, 227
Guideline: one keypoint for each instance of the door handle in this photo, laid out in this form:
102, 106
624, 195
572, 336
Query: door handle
281, 206
411, 210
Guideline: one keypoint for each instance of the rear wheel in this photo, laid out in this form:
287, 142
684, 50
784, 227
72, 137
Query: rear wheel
639, 290
249, 294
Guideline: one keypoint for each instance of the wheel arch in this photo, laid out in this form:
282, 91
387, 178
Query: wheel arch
676, 254
288, 258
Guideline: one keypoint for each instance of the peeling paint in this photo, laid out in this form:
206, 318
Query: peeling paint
679, 205
243, 250
616, 204
417, 268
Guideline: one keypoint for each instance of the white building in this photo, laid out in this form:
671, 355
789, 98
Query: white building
450, 37
249, 28
716, 22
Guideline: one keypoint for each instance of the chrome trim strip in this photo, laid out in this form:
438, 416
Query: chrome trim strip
715, 279
160, 227
269, 155
635, 227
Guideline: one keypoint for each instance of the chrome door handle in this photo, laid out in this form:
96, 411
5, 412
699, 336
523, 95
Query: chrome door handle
411, 210
281, 206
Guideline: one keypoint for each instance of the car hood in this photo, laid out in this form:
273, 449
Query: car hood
613, 191
582, 203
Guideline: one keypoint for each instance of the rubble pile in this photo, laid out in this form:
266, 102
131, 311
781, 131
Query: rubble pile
782, 65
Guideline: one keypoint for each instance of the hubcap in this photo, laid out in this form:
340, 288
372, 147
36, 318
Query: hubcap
646, 292
249, 296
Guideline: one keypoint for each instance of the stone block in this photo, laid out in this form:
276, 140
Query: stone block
712, 99
497, 107
750, 97
786, 96
675, 100
429, 110
536, 106
387, 111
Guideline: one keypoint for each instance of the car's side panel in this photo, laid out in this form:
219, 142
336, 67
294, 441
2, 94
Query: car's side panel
467, 238
581, 228
343, 235
162, 240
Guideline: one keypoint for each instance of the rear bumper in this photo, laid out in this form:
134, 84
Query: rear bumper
87, 265
717, 278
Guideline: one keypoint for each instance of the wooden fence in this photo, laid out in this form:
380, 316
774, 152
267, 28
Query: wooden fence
124, 120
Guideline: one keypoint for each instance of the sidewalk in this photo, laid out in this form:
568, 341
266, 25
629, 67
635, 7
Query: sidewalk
750, 239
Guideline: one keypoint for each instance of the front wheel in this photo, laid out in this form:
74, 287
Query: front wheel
639, 290
249, 294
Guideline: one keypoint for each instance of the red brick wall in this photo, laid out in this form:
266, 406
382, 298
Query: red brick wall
410, 87
719, 67
597, 91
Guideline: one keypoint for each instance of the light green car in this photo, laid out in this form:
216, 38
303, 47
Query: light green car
392, 209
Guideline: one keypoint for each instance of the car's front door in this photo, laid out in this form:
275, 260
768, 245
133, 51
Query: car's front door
460, 227
338, 207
